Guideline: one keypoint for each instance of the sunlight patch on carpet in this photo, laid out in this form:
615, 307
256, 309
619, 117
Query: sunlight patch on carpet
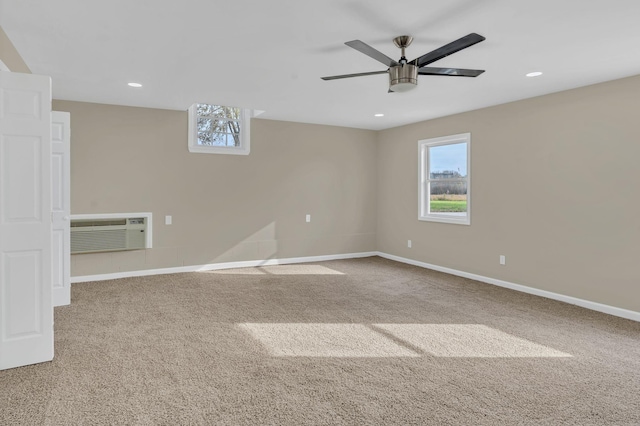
279, 270
325, 340
468, 341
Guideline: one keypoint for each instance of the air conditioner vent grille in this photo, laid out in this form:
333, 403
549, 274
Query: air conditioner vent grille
109, 234
88, 241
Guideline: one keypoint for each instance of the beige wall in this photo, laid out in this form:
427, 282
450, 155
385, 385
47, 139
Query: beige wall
554, 189
555, 184
10, 56
224, 207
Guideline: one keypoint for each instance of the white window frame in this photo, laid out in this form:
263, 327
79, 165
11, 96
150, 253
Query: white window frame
424, 194
245, 135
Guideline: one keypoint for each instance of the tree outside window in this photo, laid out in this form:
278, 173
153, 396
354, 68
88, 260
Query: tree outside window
219, 129
218, 125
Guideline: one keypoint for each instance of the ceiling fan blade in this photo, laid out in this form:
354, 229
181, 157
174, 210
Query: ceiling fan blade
448, 49
453, 72
371, 52
360, 74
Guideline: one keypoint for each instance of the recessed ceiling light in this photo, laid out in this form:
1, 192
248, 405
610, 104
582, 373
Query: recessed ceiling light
378, 115
135, 84
534, 74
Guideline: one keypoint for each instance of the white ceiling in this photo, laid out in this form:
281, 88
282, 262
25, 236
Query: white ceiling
270, 55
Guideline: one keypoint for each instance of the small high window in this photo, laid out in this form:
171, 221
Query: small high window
218, 129
445, 186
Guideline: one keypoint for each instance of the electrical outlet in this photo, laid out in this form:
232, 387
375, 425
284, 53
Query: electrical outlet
167, 220
503, 259
409, 243
308, 218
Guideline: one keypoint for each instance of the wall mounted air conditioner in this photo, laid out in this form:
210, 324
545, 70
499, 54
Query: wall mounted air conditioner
110, 232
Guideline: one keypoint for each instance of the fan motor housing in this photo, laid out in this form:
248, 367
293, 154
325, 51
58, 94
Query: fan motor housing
403, 77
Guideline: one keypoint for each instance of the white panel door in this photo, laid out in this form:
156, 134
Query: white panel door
61, 206
26, 308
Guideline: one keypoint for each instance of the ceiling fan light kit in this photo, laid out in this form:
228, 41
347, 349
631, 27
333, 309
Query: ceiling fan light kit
403, 78
403, 74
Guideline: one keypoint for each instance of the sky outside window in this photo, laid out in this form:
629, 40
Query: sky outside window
451, 157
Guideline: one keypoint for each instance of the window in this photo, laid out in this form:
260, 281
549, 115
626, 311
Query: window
217, 129
445, 190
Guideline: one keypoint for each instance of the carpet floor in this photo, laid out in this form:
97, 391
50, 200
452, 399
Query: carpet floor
355, 342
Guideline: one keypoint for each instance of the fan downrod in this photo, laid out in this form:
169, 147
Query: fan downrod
402, 42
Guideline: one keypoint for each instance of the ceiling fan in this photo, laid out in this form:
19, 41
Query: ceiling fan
403, 74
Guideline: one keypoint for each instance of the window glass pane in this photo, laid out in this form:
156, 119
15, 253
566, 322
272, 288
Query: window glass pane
205, 109
204, 124
205, 138
233, 113
233, 139
448, 197
225, 126
448, 161
219, 139
226, 139
218, 111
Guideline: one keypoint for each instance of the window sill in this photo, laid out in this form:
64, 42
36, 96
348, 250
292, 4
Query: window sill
219, 150
457, 220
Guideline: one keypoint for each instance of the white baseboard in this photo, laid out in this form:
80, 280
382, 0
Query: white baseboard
599, 307
611, 310
217, 266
